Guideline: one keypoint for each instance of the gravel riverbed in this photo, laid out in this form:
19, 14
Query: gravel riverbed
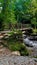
6, 58
17, 60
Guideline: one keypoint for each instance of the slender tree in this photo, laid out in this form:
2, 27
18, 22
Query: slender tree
8, 12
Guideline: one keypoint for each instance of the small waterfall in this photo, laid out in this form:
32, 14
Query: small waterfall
29, 42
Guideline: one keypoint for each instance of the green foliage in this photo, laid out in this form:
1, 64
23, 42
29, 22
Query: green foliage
34, 31
35, 57
16, 10
15, 31
16, 46
23, 9
26, 9
8, 12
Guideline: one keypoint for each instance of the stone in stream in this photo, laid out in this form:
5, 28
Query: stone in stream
4, 36
1, 37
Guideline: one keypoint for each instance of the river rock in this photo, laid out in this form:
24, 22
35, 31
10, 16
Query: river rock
17, 53
17, 60
1, 37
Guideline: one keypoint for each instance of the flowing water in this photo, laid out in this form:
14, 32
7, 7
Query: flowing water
29, 42
31, 45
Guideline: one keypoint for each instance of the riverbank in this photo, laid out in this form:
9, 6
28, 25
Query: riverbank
6, 57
